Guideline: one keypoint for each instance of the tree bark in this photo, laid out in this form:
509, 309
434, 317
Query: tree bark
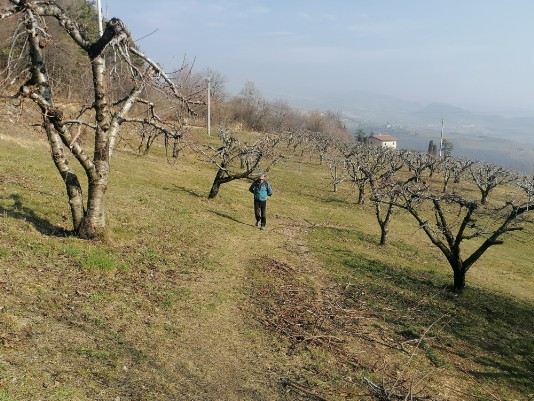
216, 184
361, 194
94, 222
459, 280
72, 184
383, 221
383, 234
214, 190
51, 118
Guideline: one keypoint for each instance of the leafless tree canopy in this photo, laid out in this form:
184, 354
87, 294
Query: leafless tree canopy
488, 206
455, 216
236, 159
123, 81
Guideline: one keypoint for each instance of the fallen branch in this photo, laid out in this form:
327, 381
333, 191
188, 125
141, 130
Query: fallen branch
302, 389
382, 395
314, 338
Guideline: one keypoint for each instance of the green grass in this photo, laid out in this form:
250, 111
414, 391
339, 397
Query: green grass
490, 330
4, 396
178, 301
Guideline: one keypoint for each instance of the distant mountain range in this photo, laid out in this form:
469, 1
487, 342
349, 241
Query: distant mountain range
507, 140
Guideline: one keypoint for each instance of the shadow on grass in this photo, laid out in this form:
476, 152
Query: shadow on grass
332, 199
18, 211
490, 329
186, 190
226, 216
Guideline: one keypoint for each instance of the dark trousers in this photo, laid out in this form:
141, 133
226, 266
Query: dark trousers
259, 211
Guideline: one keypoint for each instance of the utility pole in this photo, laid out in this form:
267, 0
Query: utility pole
441, 140
208, 80
99, 12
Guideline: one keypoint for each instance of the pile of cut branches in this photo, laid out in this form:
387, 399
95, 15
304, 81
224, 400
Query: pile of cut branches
326, 319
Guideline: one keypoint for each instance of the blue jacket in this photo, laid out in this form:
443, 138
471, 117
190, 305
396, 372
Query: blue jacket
261, 192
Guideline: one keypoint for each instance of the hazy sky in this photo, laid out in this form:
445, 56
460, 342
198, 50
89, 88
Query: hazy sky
476, 54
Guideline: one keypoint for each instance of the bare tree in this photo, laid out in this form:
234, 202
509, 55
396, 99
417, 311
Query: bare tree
526, 183
451, 220
194, 85
108, 114
385, 193
376, 167
326, 131
323, 142
174, 140
380, 170
338, 171
297, 137
236, 160
453, 168
358, 178
251, 108
487, 177
356, 160
275, 116
418, 163
316, 121
217, 81
370, 164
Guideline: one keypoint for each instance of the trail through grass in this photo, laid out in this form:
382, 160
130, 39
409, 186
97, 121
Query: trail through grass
186, 299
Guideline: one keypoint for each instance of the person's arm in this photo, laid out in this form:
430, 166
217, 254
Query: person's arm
269, 190
251, 188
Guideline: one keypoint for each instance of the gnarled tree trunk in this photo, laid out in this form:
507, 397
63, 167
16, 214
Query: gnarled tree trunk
72, 184
89, 221
214, 191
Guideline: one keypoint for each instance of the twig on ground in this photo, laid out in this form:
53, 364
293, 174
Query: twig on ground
296, 386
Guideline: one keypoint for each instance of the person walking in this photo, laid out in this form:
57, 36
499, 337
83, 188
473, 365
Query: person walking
261, 190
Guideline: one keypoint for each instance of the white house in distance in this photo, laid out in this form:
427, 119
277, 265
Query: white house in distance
384, 141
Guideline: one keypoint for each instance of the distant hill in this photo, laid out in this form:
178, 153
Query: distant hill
506, 139
434, 112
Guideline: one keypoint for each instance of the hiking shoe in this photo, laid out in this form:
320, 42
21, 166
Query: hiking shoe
262, 228
258, 224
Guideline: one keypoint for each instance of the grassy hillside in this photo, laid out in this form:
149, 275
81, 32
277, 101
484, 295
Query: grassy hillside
186, 300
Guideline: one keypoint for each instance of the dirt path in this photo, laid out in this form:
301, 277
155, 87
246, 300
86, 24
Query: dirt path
224, 350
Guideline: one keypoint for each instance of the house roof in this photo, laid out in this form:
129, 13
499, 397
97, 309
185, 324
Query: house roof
384, 138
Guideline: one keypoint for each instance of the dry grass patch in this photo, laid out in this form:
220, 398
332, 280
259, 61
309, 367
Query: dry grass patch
186, 300
336, 346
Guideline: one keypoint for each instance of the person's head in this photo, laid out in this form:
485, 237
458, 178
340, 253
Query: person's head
261, 177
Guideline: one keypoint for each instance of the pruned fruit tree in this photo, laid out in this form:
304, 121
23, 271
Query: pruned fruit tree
123, 84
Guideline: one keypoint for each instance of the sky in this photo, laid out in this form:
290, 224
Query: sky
474, 54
